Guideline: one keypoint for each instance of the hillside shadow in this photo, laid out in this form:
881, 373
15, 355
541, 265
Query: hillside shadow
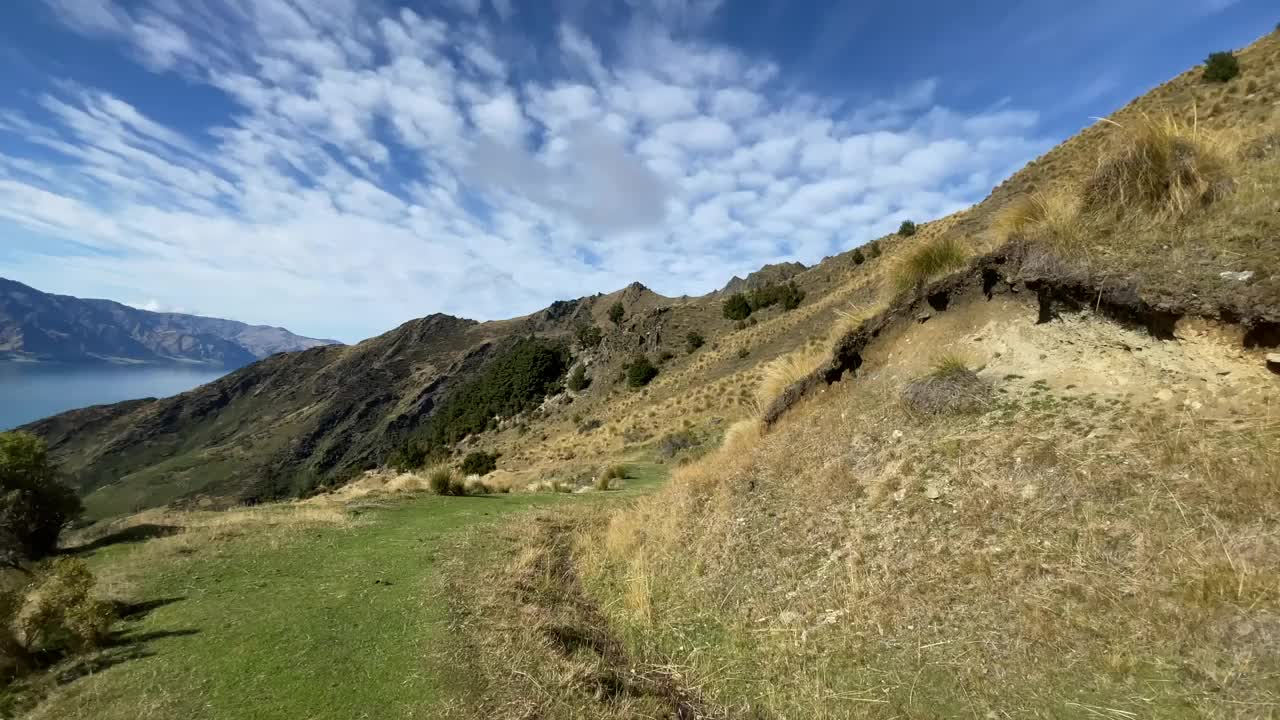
129, 535
121, 648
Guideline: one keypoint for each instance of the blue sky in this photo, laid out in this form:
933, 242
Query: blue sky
341, 166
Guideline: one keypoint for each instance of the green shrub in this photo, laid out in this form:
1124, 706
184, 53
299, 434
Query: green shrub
858, 257
640, 372
736, 307
34, 504
516, 381
929, 260
588, 336
788, 294
578, 380
743, 351
440, 481
60, 613
479, 462
907, 228
693, 341
1221, 67
617, 313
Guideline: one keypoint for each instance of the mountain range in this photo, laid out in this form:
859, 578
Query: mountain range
42, 327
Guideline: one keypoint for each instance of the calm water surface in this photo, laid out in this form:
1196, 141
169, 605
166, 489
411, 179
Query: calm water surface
32, 391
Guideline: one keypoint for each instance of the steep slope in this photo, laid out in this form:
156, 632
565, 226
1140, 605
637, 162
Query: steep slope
43, 327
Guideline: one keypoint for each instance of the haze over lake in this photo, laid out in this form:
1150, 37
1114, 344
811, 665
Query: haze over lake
30, 391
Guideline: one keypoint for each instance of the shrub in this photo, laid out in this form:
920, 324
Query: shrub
640, 372
616, 471
617, 313
1163, 166
858, 257
951, 387
1221, 67
59, 612
602, 482
907, 228
788, 294
440, 481
588, 336
743, 351
479, 462
578, 380
873, 250
736, 307
458, 486
34, 504
514, 382
693, 341
927, 261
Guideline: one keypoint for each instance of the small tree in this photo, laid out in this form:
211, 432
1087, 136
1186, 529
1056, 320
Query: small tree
588, 336
693, 341
858, 257
479, 463
907, 228
736, 307
616, 313
578, 380
1221, 67
790, 295
640, 372
34, 505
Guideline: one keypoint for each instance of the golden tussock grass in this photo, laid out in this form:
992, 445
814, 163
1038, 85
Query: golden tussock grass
1164, 166
927, 261
1047, 217
785, 371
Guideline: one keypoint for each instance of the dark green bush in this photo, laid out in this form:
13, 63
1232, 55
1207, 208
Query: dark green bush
736, 307
588, 336
617, 313
693, 341
858, 257
1221, 67
34, 505
907, 228
517, 381
479, 462
578, 379
640, 372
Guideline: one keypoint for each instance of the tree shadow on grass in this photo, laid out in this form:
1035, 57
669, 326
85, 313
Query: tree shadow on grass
133, 534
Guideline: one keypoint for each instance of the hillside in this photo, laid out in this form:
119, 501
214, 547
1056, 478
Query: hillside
37, 326
1022, 463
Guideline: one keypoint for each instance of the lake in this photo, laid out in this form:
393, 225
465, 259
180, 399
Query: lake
30, 391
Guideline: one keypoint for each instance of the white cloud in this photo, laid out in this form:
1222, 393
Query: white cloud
379, 165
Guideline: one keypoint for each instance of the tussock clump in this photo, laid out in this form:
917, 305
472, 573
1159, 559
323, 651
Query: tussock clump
950, 389
440, 481
60, 612
785, 371
929, 261
1052, 218
1162, 166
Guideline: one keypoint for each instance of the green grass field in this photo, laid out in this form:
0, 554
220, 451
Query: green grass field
324, 622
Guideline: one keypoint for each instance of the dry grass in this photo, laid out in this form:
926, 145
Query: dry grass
1164, 166
1052, 218
1052, 551
785, 371
929, 260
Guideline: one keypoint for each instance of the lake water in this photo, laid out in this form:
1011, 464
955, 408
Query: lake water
30, 391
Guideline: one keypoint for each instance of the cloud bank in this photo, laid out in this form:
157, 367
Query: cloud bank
370, 164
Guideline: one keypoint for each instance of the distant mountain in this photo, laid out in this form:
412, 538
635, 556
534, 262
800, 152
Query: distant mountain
779, 272
38, 326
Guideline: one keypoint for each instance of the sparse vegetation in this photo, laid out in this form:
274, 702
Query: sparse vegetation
873, 249
929, 260
907, 228
1163, 166
616, 313
1221, 67
588, 336
739, 306
60, 613
693, 341
949, 389
640, 372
